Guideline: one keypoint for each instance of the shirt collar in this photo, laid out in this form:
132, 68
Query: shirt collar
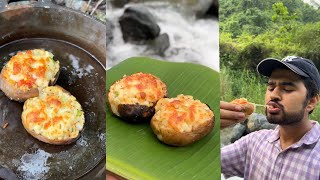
275, 135
312, 136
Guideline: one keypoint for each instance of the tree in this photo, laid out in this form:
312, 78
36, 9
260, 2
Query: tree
308, 37
282, 18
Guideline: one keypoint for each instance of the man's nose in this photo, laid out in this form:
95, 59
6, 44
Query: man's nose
275, 94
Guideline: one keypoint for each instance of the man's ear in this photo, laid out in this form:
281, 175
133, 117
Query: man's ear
312, 103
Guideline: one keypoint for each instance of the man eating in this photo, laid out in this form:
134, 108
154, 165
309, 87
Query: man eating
292, 150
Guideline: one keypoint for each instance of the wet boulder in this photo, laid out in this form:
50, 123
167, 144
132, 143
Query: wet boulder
237, 132
109, 31
200, 7
213, 10
160, 44
257, 122
185, 53
138, 24
59, 2
119, 3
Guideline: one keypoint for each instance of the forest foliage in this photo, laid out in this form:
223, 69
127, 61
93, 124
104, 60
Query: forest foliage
251, 30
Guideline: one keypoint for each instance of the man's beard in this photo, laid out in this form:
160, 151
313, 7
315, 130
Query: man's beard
286, 118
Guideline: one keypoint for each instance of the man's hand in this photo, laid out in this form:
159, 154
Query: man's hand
230, 114
110, 177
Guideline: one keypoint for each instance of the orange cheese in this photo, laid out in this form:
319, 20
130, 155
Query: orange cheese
55, 114
182, 113
31, 69
139, 88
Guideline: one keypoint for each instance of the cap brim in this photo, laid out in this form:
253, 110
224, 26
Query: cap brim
266, 66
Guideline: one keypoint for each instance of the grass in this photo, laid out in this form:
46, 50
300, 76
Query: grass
244, 83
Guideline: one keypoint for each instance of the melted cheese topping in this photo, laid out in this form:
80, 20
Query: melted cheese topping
240, 101
139, 88
31, 69
182, 113
55, 114
249, 107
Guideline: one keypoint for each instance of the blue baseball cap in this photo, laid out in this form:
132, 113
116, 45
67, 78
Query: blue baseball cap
301, 66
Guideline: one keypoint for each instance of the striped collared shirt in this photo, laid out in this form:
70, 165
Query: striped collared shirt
259, 156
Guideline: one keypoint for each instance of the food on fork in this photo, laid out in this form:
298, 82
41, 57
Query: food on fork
249, 107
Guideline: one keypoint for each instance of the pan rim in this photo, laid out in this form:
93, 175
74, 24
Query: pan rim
58, 40
11, 7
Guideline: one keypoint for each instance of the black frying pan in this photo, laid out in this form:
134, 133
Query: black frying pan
78, 42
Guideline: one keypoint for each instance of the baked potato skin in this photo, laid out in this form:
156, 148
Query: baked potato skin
175, 138
16, 94
26, 64
133, 97
21, 95
41, 137
135, 113
50, 141
182, 120
54, 80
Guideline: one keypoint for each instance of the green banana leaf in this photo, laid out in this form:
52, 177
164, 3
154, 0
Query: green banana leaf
134, 152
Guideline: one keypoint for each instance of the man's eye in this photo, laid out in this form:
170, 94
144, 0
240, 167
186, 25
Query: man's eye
270, 88
288, 90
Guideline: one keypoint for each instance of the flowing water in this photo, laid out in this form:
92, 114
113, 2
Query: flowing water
191, 39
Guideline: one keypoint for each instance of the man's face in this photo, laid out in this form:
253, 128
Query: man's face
285, 98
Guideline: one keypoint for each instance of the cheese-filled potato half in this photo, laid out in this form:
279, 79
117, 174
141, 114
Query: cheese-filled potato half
133, 97
182, 120
54, 117
249, 108
26, 72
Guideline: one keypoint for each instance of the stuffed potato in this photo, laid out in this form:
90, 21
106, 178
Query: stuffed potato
249, 108
182, 120
55, 117
133, 97
26, 72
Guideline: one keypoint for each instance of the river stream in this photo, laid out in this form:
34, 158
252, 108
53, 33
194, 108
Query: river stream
191, 39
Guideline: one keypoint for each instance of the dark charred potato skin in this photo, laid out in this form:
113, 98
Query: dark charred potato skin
53, 82
135, 113
134, 110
